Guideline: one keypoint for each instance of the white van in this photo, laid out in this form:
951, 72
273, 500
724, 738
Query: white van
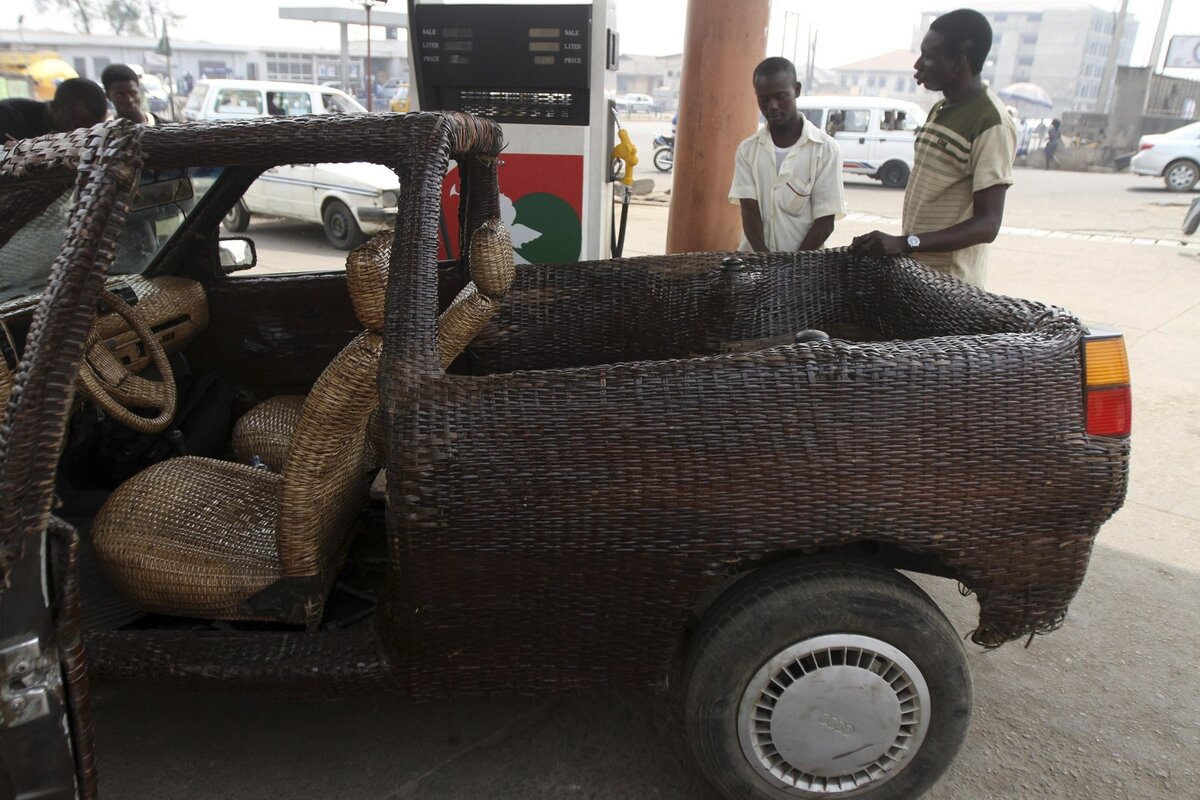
876, 134
212, 99
350, 201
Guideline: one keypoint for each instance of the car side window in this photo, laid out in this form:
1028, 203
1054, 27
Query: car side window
854, 120
288, 104
896, 120
332, 104
242, 102
306, 217
813, 115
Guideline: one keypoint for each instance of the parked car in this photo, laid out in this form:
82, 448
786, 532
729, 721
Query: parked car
156, 94
636, 104
876, 135
351, 201
234, 99
636, 472
1173, 156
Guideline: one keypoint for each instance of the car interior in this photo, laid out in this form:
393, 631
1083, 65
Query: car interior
225, 433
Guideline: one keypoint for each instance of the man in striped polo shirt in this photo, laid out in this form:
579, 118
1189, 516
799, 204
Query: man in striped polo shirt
962, 168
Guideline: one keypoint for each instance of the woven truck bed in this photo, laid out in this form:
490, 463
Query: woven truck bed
563, 510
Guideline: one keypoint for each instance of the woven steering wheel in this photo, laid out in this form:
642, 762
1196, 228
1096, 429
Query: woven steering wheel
114, 388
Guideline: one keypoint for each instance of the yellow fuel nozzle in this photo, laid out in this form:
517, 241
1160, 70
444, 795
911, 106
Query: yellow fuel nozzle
627, 153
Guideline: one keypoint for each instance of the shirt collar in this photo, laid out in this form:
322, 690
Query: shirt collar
808, 134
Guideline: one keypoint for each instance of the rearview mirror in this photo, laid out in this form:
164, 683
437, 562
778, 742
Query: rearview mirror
153, 194
237, 253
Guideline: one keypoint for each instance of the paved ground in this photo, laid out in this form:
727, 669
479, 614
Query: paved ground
1107, 707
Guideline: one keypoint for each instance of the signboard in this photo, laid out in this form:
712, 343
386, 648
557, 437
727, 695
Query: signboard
541, 201
1183, 52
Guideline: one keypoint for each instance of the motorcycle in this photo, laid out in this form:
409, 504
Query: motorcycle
664, 152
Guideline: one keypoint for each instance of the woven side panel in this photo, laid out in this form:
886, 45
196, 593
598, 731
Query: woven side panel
366, 278
330, 663
266, 430
325, 475
166, 557
632, 488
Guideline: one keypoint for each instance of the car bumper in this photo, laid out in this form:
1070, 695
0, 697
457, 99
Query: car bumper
373, 219
1142, 166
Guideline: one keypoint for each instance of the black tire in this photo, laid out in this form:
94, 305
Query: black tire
844, 610
238, 218
1181, 175
341, 228
664, 159
894, 175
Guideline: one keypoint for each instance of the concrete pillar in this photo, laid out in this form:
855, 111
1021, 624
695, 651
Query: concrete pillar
346, 58
723, 44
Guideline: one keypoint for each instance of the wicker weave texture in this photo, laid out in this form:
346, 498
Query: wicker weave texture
191, 536
266, 430
325, 477
959, 434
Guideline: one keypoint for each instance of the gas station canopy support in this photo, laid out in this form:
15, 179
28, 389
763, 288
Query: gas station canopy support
346, 17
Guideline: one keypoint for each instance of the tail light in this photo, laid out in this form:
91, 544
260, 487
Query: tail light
1107, 397
1142, 147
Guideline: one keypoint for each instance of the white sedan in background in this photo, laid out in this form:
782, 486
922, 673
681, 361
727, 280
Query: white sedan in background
351, 201
1173, 156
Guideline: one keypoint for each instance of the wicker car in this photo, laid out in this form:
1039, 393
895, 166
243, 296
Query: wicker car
705, 467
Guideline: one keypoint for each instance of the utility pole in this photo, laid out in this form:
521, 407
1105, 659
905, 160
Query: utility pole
1159, 35
1110, 65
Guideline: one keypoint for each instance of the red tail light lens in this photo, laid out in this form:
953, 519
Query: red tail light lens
1142, 147
1109, 411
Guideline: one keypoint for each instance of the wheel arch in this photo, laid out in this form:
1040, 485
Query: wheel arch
884, 554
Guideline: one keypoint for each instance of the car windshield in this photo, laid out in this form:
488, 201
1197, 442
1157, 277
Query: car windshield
163, 200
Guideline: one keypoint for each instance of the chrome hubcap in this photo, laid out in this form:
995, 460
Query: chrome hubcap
833, 716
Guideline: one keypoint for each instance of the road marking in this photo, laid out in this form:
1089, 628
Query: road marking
1042, 233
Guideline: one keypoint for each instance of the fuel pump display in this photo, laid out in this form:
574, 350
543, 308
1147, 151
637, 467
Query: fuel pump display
542, 72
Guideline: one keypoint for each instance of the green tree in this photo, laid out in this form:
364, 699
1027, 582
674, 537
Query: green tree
122, 17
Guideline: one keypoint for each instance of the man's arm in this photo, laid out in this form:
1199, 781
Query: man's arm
821, 229
982, 228
752, 225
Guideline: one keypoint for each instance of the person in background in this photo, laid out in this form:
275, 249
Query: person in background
77, 103
1053, 138
123, 88
962, 166
787, 177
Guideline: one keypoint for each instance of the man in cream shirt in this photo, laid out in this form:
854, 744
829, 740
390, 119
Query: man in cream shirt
787, 178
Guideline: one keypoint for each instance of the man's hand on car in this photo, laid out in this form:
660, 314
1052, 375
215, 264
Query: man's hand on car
879, 244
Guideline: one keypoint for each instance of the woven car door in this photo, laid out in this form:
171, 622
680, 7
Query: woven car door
46, 747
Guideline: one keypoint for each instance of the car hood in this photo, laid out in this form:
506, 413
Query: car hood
359, 174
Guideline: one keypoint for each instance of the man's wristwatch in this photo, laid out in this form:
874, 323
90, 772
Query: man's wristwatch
913, 242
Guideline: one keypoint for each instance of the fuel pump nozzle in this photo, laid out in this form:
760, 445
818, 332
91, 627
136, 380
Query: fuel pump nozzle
625, 151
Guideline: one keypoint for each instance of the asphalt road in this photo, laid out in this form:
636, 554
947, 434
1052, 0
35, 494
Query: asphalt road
1107, 707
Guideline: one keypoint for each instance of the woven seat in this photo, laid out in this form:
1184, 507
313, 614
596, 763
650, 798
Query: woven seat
194, 537
265, 431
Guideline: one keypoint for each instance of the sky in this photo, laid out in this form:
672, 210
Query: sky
648, 27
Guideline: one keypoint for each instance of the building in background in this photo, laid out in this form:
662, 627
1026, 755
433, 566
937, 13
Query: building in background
889, 75
89, 55
1060, 45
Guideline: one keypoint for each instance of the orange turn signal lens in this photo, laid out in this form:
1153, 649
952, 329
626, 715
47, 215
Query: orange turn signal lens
1106, 362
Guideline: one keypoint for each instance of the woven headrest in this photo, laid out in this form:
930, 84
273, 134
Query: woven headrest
366, 277
492, 266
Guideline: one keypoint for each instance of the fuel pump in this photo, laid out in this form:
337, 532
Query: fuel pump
547, 74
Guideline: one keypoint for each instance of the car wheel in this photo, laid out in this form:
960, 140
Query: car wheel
341, 229
830, 679
664, 159
1181, 176
238, 218
894, 174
